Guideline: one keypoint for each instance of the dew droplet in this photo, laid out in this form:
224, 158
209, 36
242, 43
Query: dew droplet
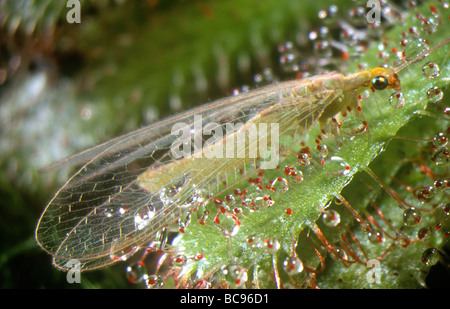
202, 214
292, 265
230, 200
430, 70
197, 257
253, 241
441, 184
289, 57
161, 238
441, 156
336, 166
280, 185
180, 260
143, 216
442, 214
331, 217
136, 273
122, 254
183, 222
195, 199
412, 217
237, 211
352, 126
322, 48
262, 202
357, 15
271, 245
323, 151
445, 209
375, 236
154, 281
414, 48
424, 233
425, 194
265, 78
434, 95
430, 25
440, 139
338, 254
304, 157
295, 175
226, 222
397, 99
167, 194
430, 256
235, 275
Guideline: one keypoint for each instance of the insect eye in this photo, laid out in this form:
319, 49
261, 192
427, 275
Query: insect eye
380, 82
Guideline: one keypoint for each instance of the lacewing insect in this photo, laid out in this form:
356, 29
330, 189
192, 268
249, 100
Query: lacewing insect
131, 187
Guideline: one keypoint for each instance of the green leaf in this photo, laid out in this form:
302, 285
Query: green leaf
398, 265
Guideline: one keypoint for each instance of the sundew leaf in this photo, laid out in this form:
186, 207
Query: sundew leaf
400, 267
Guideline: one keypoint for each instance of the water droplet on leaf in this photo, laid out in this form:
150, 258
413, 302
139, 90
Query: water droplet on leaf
154, 281
235, 275
280, 185
352, 126
292, 265
441, 156
397, 99
425, 194
253, 241
412, 216
375, 236
414, 48
331, 218
180, 260
424, 233
136, 273
434, 95
440, 139
430, 70
271, 245
338, 253
183, 222
336, 166
430, 256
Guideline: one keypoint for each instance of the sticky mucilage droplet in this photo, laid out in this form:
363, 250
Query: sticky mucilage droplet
331, 218
136, 273
430, 70
397, 99
441, 156
425, 194
336, 166
414, 48
435, 95
440, 139
430, 257
180, 260
292, 265
154, 281
412, 216
375, 236
235, 275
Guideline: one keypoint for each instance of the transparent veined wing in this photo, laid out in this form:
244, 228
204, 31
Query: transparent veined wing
132, 186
